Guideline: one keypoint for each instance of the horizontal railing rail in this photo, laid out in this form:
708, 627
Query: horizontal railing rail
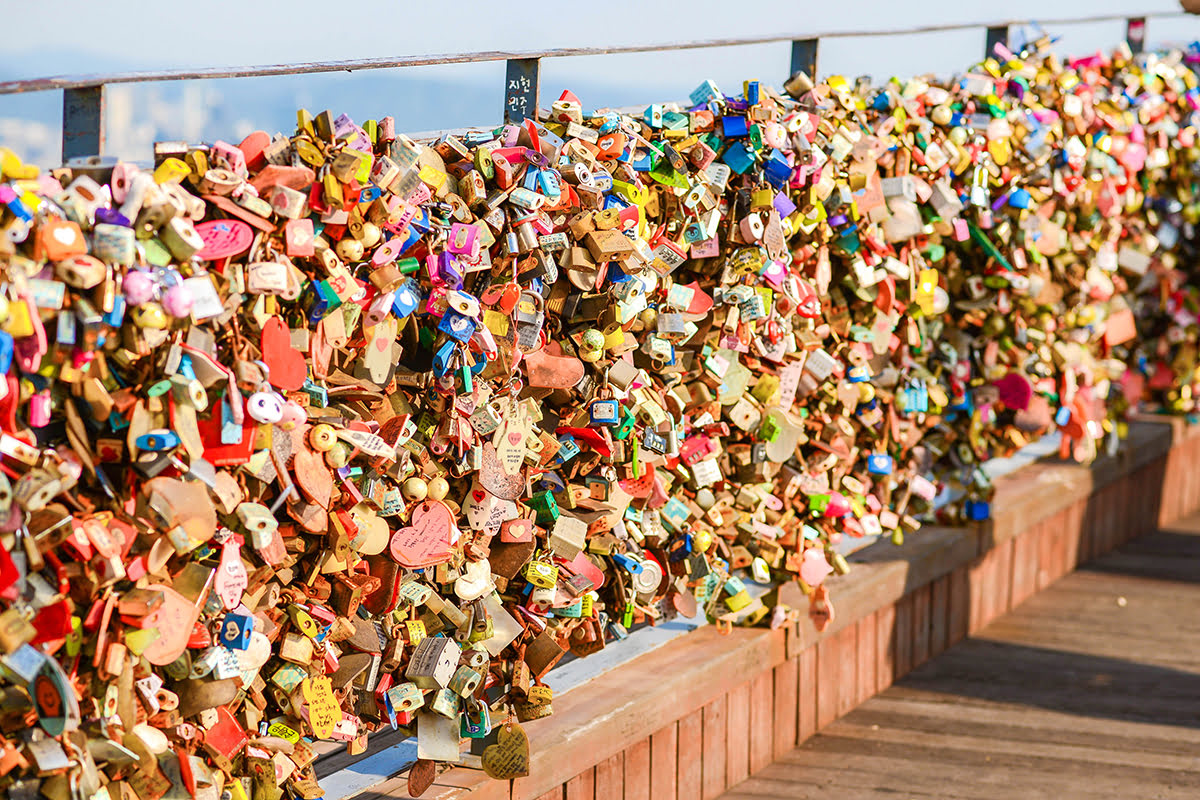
84, 95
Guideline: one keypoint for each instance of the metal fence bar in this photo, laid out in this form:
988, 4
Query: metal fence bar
83, 96
521, 89
83, 122
393, 62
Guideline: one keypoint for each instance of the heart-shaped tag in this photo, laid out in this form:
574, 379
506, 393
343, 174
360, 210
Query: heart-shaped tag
508, 758
493, 477
427, 541
287, 365
549, 368
312, 476
174, 619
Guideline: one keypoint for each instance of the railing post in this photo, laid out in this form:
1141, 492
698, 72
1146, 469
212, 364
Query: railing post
997, 34
83, 122
521, 89
1135, 34
804, 67
804, 57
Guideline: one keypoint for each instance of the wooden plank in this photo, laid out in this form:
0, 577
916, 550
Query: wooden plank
690, 758
959, 607
866, 660
553, 794
637, 771
847, 697
920, 622
828, 663
903, 638
1168, 512
601, 717
582, 786
939, 614
784, 706
737, 758
806, 702
1025, 565
762, 720
885, 647
715, 734
610, 777
1004, 567
664, 750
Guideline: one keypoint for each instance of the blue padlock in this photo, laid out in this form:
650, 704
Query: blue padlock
442, 358
457, 326
739, 157
158, 441
734, 126
604, 412
704, 92
880, 464
235, 631
568, 448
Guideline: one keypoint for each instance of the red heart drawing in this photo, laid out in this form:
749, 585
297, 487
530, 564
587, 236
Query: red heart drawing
287, 365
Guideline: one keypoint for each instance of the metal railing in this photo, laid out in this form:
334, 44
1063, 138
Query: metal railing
84, 95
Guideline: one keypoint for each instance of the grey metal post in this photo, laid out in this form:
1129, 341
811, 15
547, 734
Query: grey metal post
995, 35
83, 122
1135, 34
521, 89
804, 57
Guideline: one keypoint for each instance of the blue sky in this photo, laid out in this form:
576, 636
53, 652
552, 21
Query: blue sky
76, 37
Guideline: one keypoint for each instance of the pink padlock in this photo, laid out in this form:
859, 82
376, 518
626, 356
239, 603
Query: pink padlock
293, 415
234, 158
177, 301
378, 310
39, 409
138, 287
122, 177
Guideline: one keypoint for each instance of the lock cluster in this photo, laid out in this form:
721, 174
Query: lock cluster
323, 434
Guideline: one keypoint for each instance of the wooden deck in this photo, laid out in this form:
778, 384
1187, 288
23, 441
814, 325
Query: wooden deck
1088, 689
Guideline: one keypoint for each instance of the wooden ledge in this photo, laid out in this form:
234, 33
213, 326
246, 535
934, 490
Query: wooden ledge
602, 717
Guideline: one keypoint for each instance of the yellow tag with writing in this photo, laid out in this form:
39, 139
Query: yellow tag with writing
320, 706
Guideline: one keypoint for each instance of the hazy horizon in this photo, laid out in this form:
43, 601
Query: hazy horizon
431, 98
